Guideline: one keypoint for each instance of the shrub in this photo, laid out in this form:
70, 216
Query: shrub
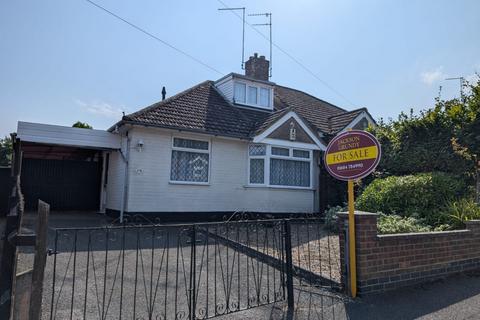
331, 218
462, 210
421, 196
388, 224
396, 224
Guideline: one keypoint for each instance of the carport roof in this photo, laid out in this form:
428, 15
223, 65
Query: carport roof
67, 136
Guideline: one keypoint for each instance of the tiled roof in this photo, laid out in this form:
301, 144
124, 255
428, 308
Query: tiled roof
200, 109
203, 109
340, 121
263, 124
314, 110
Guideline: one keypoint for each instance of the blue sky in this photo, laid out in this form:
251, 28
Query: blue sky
65, 60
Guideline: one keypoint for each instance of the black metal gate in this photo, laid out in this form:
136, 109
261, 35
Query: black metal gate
64, 184
179, 271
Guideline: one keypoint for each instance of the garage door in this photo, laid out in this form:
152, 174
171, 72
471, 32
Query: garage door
64, 184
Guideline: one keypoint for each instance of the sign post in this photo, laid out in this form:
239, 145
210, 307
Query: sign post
350, 156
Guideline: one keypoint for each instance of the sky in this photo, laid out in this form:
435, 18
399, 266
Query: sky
63, 61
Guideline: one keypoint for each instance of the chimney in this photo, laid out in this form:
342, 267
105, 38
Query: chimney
164, 93
257, 67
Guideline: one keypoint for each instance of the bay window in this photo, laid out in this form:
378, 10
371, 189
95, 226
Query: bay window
280, 166
190, 161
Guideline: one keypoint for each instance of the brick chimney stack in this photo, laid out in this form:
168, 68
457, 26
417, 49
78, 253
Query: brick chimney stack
257, 67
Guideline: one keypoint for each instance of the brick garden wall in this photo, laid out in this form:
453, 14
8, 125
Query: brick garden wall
387, 262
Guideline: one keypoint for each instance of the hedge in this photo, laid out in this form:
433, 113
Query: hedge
422, 196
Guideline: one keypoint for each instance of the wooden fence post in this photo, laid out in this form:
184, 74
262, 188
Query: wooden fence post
12, 226
40, 261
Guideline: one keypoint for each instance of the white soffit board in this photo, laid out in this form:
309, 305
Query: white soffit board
67, 136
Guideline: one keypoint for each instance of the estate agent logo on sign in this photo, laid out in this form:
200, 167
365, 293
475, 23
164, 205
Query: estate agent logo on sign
349, 156
352, 155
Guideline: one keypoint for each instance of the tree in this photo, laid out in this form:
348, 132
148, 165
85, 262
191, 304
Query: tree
82, 125
468, 135
444, 138
6, 150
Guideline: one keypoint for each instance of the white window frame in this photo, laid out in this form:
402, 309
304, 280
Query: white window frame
268, 155
258, 87
268, 98
265, 166
192, 151
235, 98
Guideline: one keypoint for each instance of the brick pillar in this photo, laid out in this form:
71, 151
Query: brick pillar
474, 226
366, 240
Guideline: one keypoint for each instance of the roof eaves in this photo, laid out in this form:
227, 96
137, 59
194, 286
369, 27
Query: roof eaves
143, 124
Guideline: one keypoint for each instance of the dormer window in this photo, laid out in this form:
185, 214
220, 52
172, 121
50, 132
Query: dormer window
252, 94
240, 92
265, 97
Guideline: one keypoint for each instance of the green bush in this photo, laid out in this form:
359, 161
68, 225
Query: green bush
422, 196
396, 224
388, 224
331, 218
462, 210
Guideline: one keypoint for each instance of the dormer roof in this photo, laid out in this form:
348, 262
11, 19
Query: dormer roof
244, 77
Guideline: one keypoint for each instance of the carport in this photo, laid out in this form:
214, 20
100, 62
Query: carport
64, 166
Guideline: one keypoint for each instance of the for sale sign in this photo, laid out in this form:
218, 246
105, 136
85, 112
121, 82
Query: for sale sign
352, 155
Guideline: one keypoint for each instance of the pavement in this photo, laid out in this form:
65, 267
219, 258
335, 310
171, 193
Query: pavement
457, 297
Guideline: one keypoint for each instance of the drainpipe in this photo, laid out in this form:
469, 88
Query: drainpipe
126, 158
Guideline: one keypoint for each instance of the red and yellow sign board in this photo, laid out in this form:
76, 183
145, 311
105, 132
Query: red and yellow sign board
352, 155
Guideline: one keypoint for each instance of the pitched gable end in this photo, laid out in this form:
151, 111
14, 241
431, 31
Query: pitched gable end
291, 129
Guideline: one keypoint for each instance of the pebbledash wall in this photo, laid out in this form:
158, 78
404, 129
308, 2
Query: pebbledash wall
386, 262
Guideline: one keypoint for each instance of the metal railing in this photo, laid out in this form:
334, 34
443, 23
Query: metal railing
184, 271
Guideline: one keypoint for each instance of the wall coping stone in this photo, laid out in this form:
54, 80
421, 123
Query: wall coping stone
358, 213
421, 234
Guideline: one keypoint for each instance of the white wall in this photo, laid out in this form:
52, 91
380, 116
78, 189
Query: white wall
150, 190
226, 88
116, 175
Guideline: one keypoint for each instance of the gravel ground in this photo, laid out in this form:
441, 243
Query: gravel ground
314, 248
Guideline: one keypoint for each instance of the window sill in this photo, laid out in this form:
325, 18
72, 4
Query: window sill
190, 183
259, 186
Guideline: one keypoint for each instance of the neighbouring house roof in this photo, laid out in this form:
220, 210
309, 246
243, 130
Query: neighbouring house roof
203, 109
316, 111
340, 121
